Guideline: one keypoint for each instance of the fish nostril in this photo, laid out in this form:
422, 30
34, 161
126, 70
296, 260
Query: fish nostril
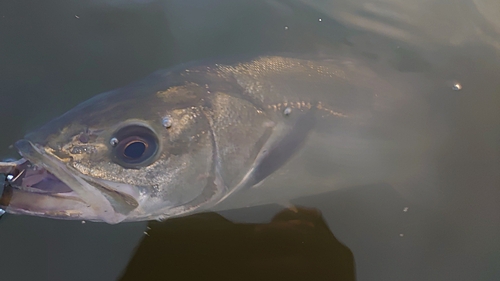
83, 138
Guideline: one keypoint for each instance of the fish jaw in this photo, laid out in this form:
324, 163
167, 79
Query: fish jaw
68, 195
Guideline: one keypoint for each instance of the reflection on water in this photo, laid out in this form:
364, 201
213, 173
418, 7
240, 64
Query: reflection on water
295, 245
55, 54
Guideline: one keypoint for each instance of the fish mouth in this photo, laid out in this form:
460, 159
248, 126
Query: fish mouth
41, 184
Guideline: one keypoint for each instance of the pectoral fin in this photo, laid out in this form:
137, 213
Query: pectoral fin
278, 150
286, 139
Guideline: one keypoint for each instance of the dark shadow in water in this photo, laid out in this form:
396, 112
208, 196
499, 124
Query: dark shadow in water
295, 245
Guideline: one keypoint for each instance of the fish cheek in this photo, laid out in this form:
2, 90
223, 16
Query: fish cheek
186, 167
240, 130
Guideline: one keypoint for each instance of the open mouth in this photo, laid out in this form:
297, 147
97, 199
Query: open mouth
40, 184
33, 190
31, 178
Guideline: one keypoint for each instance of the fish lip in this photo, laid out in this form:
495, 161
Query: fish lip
90, 203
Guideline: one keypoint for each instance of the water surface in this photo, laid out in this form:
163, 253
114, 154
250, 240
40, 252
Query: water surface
55, 54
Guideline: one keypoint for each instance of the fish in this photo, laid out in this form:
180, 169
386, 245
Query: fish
225, 133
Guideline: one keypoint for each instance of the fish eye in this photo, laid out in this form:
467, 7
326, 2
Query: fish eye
135, 149
134, 146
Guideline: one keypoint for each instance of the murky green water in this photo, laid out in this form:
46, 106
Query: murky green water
55, 54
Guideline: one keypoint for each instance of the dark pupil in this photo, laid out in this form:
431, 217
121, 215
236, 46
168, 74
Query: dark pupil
134, 149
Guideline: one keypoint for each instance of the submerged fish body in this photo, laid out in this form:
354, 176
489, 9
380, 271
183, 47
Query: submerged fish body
221, 135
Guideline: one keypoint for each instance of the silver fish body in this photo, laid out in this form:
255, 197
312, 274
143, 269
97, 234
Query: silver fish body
219, 135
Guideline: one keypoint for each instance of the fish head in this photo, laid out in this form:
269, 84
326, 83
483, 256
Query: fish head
135, 153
